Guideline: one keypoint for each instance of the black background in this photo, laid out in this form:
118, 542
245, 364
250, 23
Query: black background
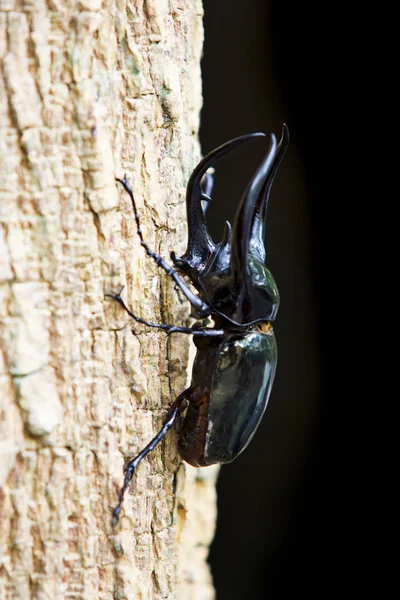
290, 507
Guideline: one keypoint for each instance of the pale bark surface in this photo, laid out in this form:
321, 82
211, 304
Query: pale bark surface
90, 90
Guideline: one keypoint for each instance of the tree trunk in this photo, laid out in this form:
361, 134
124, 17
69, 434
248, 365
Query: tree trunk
90, 90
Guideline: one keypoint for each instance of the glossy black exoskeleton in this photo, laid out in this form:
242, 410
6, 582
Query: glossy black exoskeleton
236, 360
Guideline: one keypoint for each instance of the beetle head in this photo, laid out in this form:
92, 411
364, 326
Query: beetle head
232, 275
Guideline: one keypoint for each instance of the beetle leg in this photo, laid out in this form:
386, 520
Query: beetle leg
167, 328
200, 307
131, 466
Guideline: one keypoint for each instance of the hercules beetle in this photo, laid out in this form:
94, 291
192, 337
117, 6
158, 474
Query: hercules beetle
236, 360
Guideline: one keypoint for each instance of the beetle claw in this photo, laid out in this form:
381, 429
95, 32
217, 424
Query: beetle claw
116, 297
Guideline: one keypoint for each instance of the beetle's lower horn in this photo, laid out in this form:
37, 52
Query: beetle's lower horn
200, 243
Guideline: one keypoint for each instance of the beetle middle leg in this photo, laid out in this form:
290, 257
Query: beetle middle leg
167, 328
131, 466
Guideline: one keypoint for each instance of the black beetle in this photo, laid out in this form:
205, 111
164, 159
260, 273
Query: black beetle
236, 360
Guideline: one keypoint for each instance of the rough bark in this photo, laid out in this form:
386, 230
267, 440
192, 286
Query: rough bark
90, 90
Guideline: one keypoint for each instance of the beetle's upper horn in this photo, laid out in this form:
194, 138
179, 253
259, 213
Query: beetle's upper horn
200, 243
248, 226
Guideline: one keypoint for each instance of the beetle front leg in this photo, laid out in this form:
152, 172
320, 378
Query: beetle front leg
202, 309
131, 466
